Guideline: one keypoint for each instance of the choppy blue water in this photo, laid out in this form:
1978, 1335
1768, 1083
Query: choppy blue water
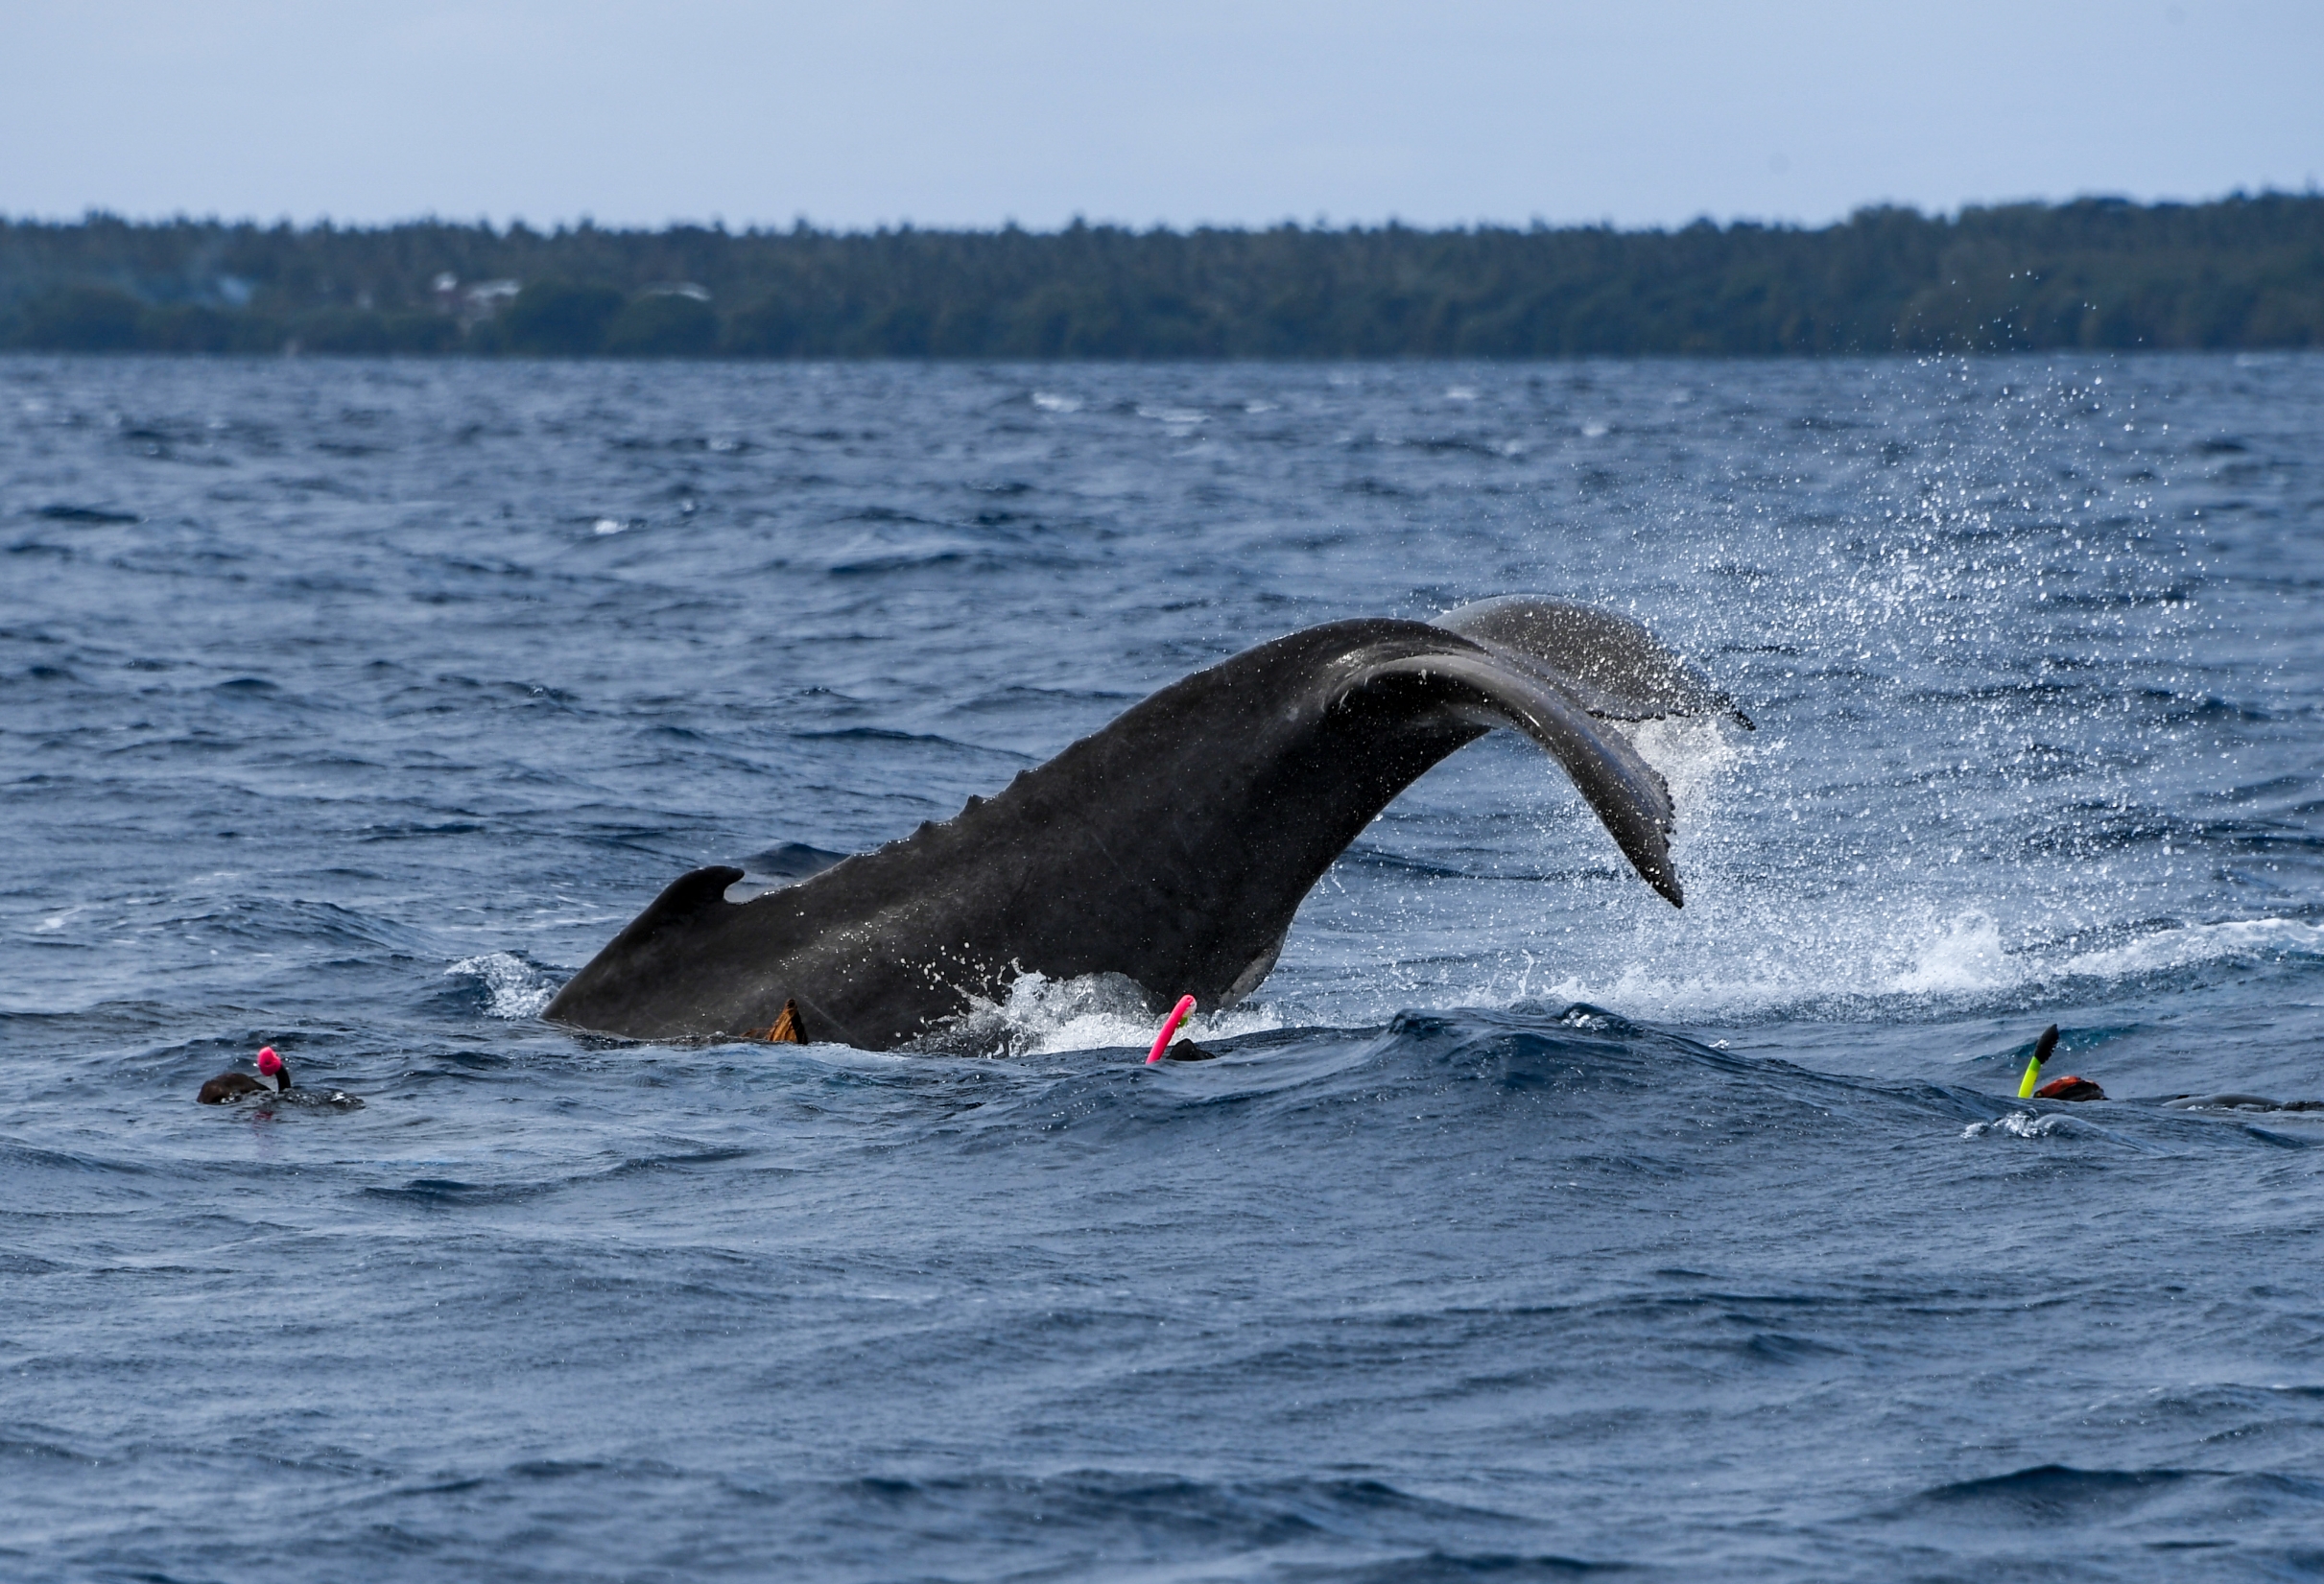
1529, 1227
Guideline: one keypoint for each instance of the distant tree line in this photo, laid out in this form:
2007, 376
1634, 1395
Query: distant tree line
2243, 272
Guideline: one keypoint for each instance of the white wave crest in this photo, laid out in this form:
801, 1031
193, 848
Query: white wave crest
1967, 956
513, 987
2198, 943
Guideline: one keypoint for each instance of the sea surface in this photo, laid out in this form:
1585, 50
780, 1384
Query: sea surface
1527, 1227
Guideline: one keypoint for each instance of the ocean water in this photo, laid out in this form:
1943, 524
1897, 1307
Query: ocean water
1527, 1227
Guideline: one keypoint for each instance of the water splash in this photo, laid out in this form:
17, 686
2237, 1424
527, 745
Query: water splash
2020, 1124
514, 988
1042, 1016
1697, 757
1965, 957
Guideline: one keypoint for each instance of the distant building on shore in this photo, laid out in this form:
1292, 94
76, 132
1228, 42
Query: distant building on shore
477, 302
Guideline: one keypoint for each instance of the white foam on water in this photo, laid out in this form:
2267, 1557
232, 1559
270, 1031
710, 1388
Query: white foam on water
515, 989
2020, 1124
1177, 417
1049, 401
1042, 1016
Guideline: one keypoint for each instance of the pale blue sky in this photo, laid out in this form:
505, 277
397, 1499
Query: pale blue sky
872, 111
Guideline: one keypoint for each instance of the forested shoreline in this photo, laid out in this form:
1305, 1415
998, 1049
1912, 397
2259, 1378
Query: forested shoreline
2239, 272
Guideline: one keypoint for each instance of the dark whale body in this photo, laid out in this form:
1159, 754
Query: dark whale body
1172, 847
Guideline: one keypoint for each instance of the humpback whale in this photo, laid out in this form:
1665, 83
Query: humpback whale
1172, 848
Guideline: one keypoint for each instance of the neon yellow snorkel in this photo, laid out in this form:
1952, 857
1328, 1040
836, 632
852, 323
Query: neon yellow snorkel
2033, 1069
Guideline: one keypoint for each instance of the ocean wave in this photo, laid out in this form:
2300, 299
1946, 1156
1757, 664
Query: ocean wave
2117, 1503
1968, 956
2249, 939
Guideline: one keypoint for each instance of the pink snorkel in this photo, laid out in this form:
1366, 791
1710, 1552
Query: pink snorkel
1170, 1027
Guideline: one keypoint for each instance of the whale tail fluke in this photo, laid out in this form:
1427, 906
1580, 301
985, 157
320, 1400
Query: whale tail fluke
1627, 793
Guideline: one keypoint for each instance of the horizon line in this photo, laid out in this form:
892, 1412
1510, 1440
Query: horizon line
585, 222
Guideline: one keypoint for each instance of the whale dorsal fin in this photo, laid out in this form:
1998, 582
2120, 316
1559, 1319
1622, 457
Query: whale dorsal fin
1616, 669
682, 900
